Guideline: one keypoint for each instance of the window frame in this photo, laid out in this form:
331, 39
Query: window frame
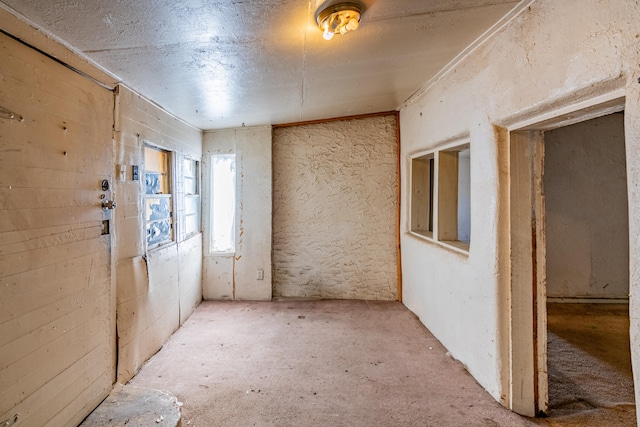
423, 194
197, 195
211, 217
170, 195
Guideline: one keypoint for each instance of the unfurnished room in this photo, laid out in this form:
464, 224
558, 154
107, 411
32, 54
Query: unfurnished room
319, 212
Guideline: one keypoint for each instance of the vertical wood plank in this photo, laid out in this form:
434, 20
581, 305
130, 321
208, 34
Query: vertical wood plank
522, 328
448, 195
540, 304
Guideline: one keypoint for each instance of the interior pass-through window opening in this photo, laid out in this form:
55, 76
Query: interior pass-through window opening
441, 196
223, 202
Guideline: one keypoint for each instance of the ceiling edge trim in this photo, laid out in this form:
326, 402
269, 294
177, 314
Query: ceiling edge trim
336, 119
477, 43
158, 106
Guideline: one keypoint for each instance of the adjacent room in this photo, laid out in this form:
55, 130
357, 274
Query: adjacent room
324, 212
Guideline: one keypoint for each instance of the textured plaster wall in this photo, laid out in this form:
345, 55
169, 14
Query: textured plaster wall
156, 290
234, 276
585, 188
335, 209
550, 56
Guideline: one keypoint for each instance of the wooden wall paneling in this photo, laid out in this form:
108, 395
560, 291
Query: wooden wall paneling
150, 289
57, 322
190, 275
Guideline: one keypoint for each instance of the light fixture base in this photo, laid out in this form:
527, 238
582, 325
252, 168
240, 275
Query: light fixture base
339, 18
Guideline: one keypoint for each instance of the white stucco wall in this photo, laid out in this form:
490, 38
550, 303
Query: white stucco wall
552, 55
585, 189
234, 276
335, 209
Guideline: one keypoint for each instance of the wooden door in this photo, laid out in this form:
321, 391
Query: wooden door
57, 305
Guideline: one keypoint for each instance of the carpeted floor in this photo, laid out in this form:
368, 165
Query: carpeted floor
359, 363
589, 365
316, 363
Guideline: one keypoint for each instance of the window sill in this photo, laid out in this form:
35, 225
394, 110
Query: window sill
221, 254
456, 246
161, 246
423, 234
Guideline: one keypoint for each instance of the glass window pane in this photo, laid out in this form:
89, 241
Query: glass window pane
190, 186
158, 232
223, 185
191, 205
192, 224
158, 208
190, 174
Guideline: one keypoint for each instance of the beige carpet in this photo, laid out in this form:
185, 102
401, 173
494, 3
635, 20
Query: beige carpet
317, 363
358, 363
589, 365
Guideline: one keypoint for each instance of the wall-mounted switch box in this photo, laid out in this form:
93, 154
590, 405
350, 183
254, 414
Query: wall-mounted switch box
122, 172
134, 172
105, 227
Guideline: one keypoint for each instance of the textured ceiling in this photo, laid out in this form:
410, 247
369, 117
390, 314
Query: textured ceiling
220, 64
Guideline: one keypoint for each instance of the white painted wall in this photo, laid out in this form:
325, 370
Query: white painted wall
335, 209
157, 289
234, 276
586, 212
550, 56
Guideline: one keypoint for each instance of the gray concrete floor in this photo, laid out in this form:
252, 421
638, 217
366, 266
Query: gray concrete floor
131, 406
320, 363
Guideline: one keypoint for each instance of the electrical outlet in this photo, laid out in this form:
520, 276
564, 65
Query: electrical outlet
122, 172
260, 274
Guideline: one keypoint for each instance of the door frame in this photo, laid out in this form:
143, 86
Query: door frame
527, 358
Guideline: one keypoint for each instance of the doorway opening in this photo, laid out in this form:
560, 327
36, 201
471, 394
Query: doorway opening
569, 263
586, 228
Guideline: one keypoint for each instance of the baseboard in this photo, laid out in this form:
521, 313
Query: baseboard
588, 300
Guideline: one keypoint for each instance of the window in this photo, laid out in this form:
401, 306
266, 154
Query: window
223, 202
441, 196
190, 175
158, 196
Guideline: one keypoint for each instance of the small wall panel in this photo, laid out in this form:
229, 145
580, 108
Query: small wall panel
159, 288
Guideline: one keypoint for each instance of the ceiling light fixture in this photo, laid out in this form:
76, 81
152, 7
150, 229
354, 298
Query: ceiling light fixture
339, 18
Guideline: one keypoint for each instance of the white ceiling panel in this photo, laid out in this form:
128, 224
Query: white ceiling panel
221, 64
